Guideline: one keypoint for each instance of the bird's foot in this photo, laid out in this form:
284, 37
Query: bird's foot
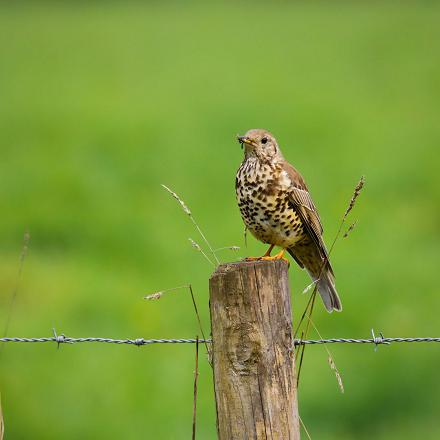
253, 258
278, 256
267, 254
267, 257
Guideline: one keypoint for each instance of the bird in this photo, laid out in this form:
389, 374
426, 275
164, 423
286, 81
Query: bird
277, 208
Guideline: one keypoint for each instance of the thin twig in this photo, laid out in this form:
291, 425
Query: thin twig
196, 375
188, 212
24, 251
199, 320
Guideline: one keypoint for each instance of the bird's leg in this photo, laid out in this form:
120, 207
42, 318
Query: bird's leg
266, 255
278, 256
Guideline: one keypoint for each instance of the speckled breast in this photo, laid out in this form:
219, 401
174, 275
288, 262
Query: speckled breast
263, 198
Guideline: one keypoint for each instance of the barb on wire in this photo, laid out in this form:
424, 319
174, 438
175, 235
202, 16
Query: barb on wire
378, 340
59, 339
62, 339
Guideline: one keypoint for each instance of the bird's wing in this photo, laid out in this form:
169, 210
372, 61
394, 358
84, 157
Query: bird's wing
306, 209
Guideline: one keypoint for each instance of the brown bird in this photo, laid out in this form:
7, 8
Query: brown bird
277, 208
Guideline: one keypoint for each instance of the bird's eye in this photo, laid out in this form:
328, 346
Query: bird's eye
264, 141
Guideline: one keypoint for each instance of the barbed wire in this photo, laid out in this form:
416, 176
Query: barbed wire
63, 339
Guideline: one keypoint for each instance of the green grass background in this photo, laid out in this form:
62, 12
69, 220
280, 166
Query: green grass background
100, 103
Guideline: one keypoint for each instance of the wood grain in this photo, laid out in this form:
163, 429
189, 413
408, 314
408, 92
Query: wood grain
253, 360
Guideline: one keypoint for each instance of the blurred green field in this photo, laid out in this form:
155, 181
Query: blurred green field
101, 103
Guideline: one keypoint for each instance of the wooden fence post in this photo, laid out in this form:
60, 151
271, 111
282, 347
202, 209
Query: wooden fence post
253, 360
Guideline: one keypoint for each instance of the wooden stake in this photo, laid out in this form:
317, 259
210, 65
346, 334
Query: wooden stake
253, 359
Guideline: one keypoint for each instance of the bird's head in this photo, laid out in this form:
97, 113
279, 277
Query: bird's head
261, 144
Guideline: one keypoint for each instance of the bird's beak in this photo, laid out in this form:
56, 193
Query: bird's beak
245, 140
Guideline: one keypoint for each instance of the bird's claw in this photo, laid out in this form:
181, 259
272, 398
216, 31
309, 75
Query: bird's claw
279, 256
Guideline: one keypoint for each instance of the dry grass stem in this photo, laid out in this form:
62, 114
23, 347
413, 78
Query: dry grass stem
305, 429
348, 231
355, 195
309, 287
298, 350
196, 376
24, 251
155, 295
228, 248
188, 212
2, 423
306, 332
311, 301
199, 320
338, 376
159, 293
331, 360
351, 204
198, 248
182, 203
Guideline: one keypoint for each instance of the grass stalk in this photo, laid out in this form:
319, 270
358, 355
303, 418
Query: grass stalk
196, 376
188, 212
24, 251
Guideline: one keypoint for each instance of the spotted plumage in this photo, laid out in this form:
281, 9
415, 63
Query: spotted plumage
277, 209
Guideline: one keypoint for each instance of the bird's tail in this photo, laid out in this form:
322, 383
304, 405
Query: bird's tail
308, 257
327, 290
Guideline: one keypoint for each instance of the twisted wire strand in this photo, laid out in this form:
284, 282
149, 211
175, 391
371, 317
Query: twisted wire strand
62, 339
376, 341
